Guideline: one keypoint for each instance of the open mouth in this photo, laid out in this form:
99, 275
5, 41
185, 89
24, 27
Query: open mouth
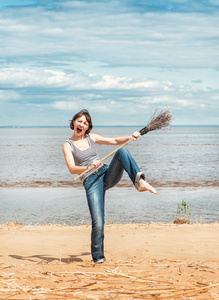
79, 130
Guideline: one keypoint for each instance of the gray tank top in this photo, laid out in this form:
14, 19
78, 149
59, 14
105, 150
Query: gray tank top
85, 157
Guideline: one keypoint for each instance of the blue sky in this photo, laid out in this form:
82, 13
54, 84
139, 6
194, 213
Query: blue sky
119, 59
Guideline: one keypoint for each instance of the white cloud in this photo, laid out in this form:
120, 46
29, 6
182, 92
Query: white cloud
73, 90
7, 95
76, 106
183, 103
65, 105
111, 82
18, 78
170, 101
214, 2
111, 33
68, 55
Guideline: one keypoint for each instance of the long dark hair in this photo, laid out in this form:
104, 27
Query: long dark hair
81, 113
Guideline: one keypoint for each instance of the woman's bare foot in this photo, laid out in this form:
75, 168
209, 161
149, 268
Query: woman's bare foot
145, 186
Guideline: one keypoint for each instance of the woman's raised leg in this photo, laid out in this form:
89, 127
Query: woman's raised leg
123, 160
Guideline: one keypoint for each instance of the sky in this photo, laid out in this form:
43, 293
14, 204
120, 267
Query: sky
119, 59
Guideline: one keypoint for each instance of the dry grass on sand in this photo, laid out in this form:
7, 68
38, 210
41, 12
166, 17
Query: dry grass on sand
144, 261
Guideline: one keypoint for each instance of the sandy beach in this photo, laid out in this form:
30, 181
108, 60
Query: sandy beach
144, 261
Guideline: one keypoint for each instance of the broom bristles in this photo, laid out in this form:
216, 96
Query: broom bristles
160, 120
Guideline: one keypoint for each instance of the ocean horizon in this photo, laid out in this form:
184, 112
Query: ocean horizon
65, 126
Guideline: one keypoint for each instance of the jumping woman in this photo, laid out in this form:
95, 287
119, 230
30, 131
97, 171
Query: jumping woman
80, 153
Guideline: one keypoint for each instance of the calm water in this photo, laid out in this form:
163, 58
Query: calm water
182, 163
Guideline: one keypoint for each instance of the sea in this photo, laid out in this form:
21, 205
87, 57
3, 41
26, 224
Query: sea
182, 163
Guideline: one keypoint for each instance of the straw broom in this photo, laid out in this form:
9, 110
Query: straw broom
159, 120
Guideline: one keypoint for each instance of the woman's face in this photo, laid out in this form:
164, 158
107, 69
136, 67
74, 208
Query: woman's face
81, 125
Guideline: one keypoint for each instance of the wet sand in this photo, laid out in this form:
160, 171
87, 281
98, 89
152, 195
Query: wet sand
144, 261
68, 206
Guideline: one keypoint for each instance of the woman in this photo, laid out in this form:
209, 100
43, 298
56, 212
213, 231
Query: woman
80, 152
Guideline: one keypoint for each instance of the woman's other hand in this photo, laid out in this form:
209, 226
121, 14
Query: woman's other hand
96, 163
136, 135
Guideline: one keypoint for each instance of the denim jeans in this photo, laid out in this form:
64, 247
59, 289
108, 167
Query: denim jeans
96, 186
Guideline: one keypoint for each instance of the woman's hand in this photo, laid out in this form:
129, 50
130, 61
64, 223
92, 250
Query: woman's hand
136, 135
96, 163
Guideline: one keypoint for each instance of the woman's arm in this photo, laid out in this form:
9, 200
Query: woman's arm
69, 159
113, 141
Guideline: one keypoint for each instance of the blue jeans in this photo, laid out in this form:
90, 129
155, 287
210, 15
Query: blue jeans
96, 186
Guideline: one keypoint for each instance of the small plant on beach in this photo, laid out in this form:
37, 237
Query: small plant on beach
183, 213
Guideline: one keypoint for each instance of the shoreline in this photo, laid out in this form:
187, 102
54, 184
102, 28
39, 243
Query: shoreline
124, 183
150, 261
69, 206
18, 225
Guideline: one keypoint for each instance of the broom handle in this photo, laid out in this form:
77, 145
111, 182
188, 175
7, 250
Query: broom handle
108, 155
114, 151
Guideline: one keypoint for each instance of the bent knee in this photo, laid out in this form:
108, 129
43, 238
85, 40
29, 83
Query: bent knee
122, 151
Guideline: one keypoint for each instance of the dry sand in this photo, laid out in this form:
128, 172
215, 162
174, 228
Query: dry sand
144, 261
